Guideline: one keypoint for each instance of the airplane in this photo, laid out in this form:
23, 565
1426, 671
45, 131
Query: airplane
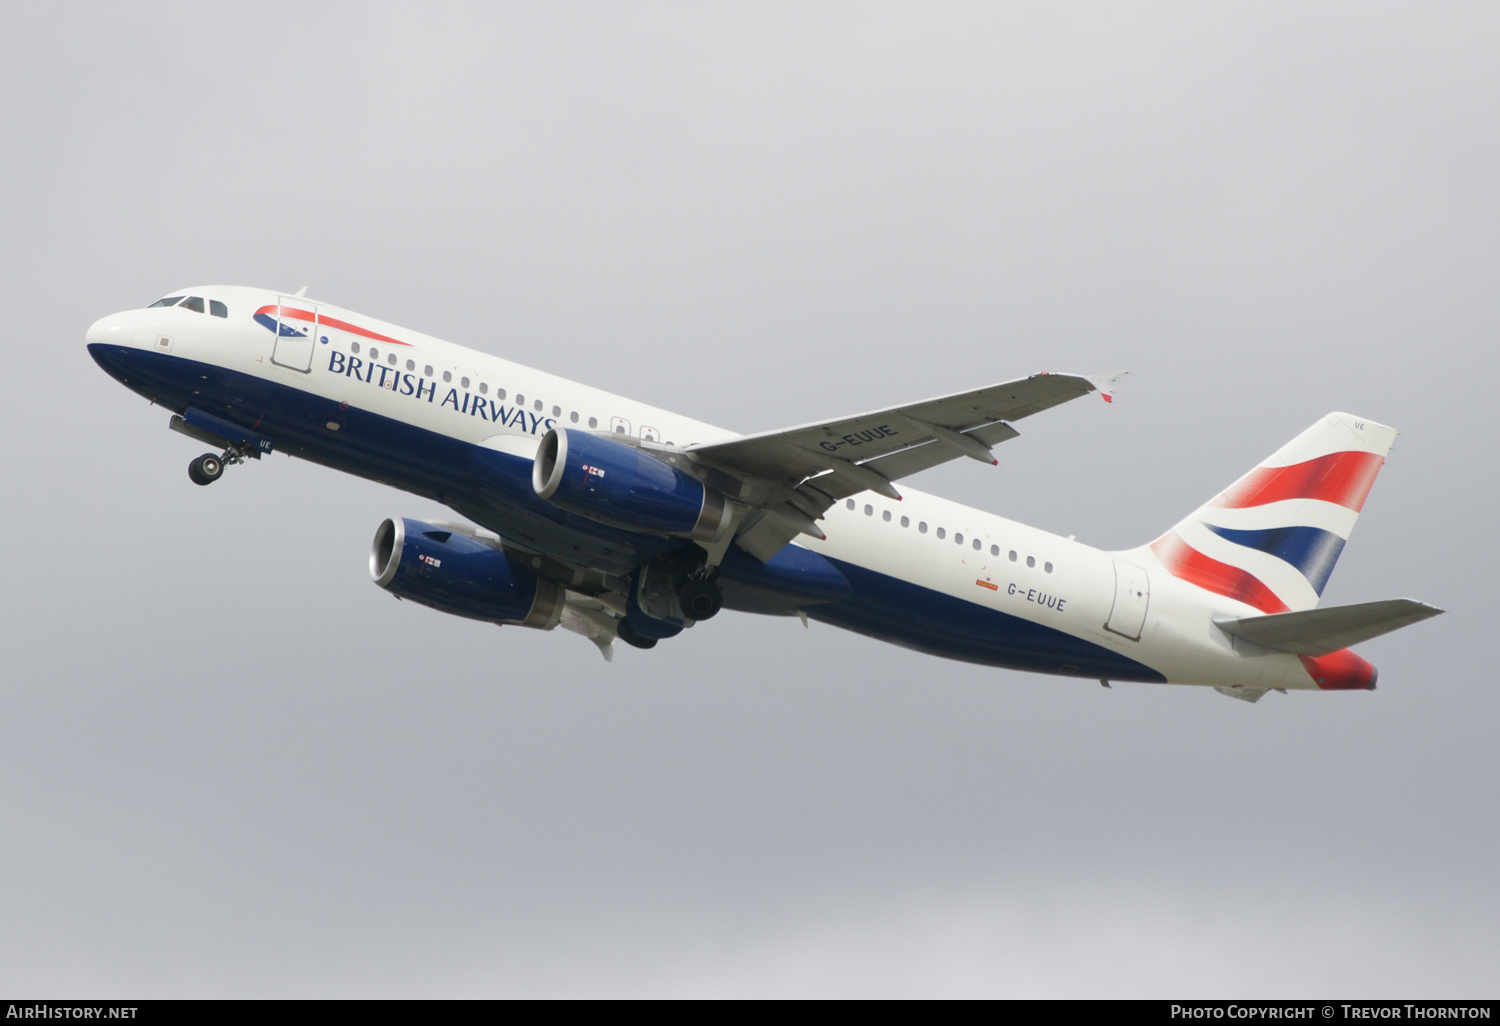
621, 521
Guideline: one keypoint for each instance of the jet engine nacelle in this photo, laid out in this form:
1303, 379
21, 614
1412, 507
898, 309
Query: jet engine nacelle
625, 487
454, 573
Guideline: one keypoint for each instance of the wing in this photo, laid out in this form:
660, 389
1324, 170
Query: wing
788, 479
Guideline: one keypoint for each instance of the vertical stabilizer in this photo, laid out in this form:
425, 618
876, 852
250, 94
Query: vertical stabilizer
1272, 538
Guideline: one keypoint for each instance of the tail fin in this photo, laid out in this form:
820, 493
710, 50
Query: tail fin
1272, 538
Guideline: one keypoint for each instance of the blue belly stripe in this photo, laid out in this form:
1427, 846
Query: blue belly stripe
494, 489
890, 609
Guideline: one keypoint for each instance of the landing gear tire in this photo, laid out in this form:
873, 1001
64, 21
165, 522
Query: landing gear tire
631, 638
206, 469
701, 599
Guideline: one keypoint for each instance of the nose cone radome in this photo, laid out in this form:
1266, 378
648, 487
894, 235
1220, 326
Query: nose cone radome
116, 329
113, 359
115, 344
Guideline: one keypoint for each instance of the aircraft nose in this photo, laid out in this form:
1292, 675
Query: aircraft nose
116, 329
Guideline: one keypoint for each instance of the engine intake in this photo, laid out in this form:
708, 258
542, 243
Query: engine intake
620, 485
454, 573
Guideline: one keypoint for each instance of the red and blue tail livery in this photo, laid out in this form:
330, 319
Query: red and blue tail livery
1271, 539
623, 522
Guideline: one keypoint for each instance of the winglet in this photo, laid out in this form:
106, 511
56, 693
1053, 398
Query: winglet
1105, 383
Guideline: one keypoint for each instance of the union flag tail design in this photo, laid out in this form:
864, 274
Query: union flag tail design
1272, 538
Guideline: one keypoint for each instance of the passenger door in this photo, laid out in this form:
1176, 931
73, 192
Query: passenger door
296, 333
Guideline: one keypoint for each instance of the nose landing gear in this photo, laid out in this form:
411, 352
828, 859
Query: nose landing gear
208, 468
239, 443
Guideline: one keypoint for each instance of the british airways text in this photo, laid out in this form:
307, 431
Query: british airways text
419, 388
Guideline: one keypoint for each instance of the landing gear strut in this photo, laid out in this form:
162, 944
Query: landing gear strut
208, 468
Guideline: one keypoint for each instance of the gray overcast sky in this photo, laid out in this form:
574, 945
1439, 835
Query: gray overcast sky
230, 765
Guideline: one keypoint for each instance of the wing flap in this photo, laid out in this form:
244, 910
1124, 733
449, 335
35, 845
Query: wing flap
1315, 632
930, 454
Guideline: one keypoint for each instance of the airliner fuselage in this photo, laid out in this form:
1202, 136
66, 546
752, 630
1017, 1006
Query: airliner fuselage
654, 517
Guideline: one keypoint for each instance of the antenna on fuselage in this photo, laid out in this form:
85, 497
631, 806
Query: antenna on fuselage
300, 292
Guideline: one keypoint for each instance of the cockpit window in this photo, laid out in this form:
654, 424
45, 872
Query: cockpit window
217, 308
169, 301
193, 303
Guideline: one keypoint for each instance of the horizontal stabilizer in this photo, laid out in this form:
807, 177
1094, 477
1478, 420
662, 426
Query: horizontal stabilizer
1315, 632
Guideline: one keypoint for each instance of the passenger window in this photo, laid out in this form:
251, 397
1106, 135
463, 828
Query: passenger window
391, 359
849, 503
427, 371
942, 532
411, 365
193, 303
573, 416
886, 516
520, 399
500, 394
976, 544
906, 521
169, 301
593, 422
557, 411
217, 308
1012, 555
1031, 561
463, 382
922, 527
1047, 567
447, 377
994, 550
484, 389
374, 354
958, 539
537, 406
869, 510
354, 348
